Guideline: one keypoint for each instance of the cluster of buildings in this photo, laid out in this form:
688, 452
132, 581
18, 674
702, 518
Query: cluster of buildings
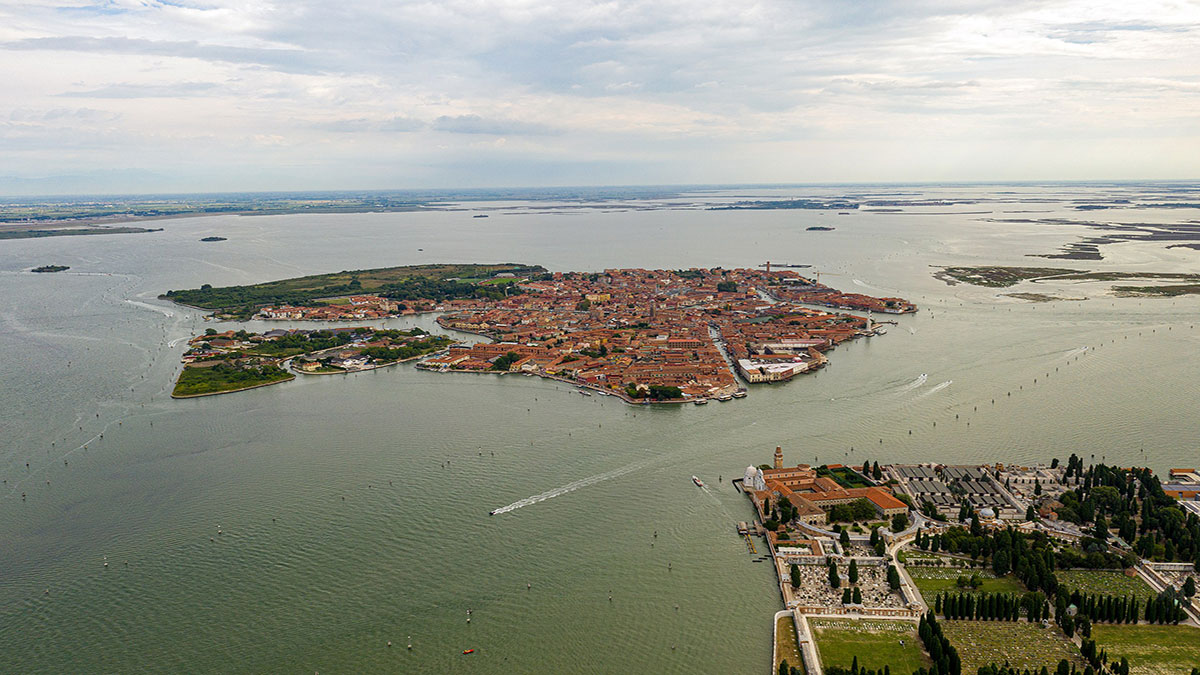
356, 308
628, 329
812, 495
948, 487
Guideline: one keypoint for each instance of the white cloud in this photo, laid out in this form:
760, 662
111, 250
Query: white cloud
670, 90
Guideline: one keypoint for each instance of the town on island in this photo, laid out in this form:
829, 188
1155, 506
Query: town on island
995, 569
645, 336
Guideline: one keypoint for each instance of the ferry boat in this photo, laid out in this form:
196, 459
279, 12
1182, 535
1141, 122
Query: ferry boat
740, 393
697, 481
724, 397
701, 401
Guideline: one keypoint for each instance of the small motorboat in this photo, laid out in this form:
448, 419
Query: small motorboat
468, 651
492, 512
697, 481
701, 401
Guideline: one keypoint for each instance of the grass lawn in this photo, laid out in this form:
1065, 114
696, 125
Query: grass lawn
933, 580
1151, 649
785, 644
1022, 644
1104, 581
875, 643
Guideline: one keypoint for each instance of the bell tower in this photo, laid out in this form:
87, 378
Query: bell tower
778, 457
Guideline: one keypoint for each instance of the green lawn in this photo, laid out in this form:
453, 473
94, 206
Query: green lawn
1104, 581
194, 380
1022, 644
785, 644
875, 643
933, 580
1151, 649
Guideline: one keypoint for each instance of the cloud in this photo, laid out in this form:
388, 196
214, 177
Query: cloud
175, 90
474, 124
761, 90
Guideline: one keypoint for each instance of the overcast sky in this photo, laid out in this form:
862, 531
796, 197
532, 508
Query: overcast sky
199, 95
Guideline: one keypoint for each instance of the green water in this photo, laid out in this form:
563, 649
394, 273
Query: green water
342, 528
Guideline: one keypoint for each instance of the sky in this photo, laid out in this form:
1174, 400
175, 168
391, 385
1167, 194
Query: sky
216, 95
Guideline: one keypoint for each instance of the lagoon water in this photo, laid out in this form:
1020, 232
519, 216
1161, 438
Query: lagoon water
353, 511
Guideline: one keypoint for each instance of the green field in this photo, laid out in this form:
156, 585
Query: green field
1151, 650
1105, 582
785, 644
876, 644
933, 580
195, 380
1022, 644
401, 283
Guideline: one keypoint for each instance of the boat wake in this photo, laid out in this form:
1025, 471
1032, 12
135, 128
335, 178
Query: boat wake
937, 388
571, 487
1076, 352
148, 306
915, 383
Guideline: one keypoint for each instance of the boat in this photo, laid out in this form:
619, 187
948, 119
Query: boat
697, 481
701, 401
468, 651
740, 393
585, 393
492, 512
881, 331
725, 397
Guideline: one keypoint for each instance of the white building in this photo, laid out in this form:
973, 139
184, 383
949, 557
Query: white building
753, 479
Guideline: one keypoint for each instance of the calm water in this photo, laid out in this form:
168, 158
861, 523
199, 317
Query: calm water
341, 528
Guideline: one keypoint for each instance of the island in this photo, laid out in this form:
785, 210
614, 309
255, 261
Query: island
214, 239
819, 228
221, 363
49, 269
997, 569
645, 336
1003, 277
18, 232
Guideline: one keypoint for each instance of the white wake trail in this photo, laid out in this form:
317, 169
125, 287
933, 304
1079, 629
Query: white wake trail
915, 383
146, 305
938, 388
1076, 352
571, 487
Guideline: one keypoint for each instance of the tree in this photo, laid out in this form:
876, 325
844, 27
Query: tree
727, 287
874, 535
899, 522
1037, 487
1101, 532
1189, 587
844, 538
893, 577
846, 596
784, 669
866, 470
876, 473
835, 580
1030, 513
856, 598
853, 573
796, 579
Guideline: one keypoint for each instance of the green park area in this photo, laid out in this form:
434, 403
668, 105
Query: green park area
1151, 649
876, 644
1021, 644
786, 648
1104, 582
222, 378
933, 580
415, 282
